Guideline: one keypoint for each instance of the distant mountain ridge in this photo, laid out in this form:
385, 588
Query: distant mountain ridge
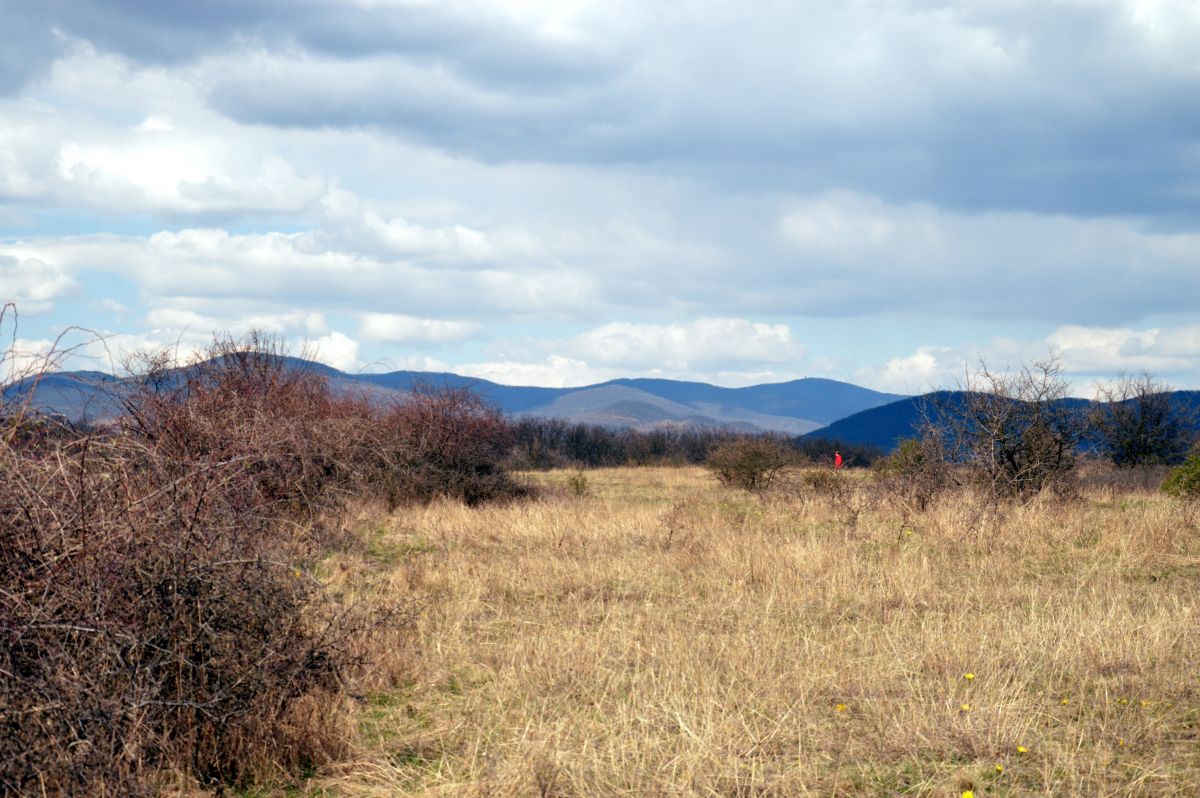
793, 408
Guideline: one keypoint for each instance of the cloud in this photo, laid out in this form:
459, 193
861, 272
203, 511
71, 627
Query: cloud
294, 268
237, 319
112, 306
1086, 353
683, 347
727, 351
30, 45
338, 350
23, 357
1172, 351
396, 328
929, 368
31, 283
1070, 108
860, 254
490, 177
555, 371
78, 147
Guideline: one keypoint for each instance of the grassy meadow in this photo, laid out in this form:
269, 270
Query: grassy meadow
647, 632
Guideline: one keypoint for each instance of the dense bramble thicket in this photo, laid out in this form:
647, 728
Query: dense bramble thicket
157, 613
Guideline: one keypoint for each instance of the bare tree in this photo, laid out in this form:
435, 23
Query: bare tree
1137, 422
1014, 433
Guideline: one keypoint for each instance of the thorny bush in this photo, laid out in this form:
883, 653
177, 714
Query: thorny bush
157, 614
439, 443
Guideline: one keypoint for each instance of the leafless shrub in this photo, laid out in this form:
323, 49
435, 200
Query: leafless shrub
849, 497
156, 612
244, 401
1011, 434
439, 443
751, 464
1138, 422
912, 477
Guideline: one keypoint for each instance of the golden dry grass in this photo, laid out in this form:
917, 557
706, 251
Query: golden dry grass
664, 636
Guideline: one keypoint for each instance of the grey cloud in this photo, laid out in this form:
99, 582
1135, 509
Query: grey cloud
1060, 109
465, 39
1072, 108
27, 45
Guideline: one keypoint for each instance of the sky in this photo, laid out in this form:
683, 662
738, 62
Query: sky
560, 192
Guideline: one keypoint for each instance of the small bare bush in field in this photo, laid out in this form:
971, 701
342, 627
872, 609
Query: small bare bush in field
914, 475
1012, 435
848, 496
1183, 481
577, 483
751, 464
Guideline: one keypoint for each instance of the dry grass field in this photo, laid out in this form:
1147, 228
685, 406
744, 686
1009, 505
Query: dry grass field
650, 633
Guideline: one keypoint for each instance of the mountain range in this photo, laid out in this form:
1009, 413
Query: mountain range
812, 408
793, 408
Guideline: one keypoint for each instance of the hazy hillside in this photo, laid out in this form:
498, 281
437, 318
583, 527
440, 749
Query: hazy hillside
618, 405
792, 408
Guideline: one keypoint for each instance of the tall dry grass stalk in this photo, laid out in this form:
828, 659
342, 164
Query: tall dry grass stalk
660, 635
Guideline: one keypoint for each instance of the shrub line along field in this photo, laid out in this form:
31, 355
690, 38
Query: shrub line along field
648, 632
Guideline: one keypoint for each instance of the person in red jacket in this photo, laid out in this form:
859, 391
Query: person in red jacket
837, 461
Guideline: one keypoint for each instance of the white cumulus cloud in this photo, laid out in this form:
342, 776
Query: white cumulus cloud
398, 328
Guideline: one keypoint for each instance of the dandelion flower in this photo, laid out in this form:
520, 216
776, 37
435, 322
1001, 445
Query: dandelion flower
969, 677
1022, 749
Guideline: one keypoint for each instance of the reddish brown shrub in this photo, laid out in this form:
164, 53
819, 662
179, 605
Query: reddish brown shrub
155, 612
441, 443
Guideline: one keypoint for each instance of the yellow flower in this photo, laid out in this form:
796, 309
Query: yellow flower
1121, 741
965, 707
1065, 701
1022, 749
999, 768
840, 707
968, 794
969, 676
1122, 700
